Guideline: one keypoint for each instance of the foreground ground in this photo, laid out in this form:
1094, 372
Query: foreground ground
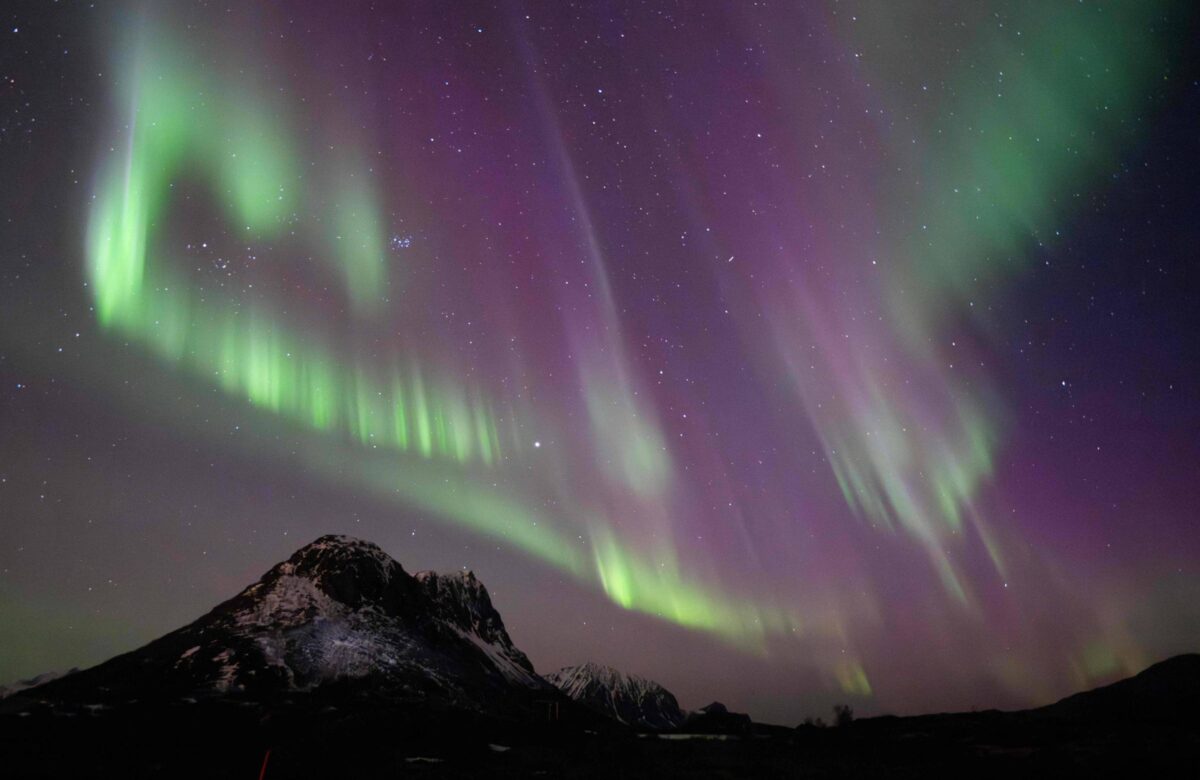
227, 739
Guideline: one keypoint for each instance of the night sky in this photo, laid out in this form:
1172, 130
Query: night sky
787, 353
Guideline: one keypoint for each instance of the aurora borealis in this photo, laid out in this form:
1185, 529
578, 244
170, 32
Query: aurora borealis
785, 353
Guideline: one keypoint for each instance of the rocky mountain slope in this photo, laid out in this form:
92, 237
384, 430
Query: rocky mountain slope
627, 698
338, 611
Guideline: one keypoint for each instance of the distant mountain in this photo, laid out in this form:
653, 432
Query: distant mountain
339, 612
627, 698
32, 682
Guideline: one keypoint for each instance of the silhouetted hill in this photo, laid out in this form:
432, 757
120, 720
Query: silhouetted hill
1168, 690
716, 718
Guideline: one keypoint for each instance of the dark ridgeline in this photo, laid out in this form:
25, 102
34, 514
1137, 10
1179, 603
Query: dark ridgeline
342, 664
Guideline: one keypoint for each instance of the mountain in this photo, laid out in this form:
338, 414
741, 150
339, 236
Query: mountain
465, 604
629, 699
32, 682
338, 663
339, 613
1168, 690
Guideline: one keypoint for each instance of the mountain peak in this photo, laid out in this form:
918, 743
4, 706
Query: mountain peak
349, 570
338, 609
466, 602
590, 670
333, 549
626, 697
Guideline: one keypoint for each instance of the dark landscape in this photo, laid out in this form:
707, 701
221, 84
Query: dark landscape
338, 663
